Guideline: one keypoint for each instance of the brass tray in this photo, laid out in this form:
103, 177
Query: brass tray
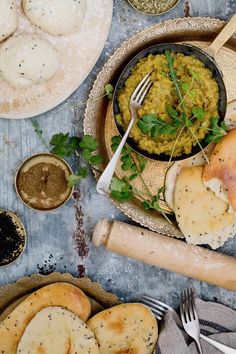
99, 121
12, 294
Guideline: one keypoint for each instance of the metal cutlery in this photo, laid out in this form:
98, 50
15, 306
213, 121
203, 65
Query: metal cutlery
189, 317
136, 100
160, 308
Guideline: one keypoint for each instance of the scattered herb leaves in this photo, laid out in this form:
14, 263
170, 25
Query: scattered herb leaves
218, 131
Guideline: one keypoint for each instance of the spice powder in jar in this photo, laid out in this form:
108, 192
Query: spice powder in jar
12, 237
41, 182
153, 7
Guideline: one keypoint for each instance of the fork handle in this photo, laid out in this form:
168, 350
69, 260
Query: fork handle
103, 185
222, 347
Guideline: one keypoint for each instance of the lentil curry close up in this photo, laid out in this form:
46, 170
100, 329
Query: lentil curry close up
199, 92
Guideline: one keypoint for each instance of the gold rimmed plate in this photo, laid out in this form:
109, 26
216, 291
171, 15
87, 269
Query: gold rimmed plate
99, 120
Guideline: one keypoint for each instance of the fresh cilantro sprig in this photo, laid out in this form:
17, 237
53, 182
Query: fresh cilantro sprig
39, 133
129, 163
218, 131
122, 189
75, 178
154, 126
109, 90
63, 145
154, 203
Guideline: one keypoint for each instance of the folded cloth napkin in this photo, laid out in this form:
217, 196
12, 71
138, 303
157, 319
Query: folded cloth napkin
216, 321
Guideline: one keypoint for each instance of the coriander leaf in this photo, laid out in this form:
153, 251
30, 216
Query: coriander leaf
193, 73
185, 86
59, 139
187, 122
74, 143
199, 113
96, 160
75, 178
87, 155
142, 163
115, 142
217, 131
121, 190
133, 176
150, 124
61, 150
88, 142
109, 91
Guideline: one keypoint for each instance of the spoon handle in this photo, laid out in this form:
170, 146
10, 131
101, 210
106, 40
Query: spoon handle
223, 36
223, 348
103, 185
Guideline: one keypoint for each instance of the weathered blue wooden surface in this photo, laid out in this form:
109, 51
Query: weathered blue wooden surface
52, 233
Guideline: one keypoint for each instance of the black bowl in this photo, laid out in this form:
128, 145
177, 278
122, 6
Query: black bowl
175, 48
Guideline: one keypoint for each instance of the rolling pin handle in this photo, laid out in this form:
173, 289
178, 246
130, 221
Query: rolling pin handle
101, 232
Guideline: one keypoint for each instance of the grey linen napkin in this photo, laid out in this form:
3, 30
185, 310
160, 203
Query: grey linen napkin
216, 321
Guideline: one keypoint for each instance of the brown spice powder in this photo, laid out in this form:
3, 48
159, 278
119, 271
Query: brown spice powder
42, 185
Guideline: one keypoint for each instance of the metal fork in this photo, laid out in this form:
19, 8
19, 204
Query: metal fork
189, 317
160, 309
136, 100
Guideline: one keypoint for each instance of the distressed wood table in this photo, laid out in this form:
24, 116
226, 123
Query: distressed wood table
55, 238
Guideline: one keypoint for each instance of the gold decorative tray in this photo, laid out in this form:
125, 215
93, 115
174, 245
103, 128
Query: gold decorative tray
12, 294
99, 121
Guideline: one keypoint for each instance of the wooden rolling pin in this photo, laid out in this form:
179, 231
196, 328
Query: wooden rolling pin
166, 252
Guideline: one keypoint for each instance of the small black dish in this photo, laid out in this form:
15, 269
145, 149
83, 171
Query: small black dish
186, 49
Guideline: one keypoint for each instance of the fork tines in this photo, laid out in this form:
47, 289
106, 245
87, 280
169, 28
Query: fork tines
187, 307
158, 308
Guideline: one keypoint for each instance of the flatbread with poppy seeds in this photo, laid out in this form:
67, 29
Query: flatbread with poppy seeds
58, 294
200, 214
220, 174
55, 330
127, 328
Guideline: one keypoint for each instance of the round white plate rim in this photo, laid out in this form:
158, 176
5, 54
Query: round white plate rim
57, 102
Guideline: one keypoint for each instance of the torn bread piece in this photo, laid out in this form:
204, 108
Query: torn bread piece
56, 330
200, 214
220, 174
127, 328
57, 294
173, 172
230, 116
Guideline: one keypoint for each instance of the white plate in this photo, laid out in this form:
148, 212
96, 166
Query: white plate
78, 54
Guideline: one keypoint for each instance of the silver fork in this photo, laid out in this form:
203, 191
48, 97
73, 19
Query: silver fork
189, 317
160, 308
136, 100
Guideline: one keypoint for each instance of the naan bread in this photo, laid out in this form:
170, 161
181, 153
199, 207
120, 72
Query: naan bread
55, 330
57, 294
230, 116
220, 174
57, 17
128, 328
27, 60
173, 172
200, 214
8, 18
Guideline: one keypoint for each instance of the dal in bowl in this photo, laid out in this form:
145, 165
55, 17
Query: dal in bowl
177, 111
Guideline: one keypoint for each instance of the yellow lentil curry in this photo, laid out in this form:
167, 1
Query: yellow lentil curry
198, 88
